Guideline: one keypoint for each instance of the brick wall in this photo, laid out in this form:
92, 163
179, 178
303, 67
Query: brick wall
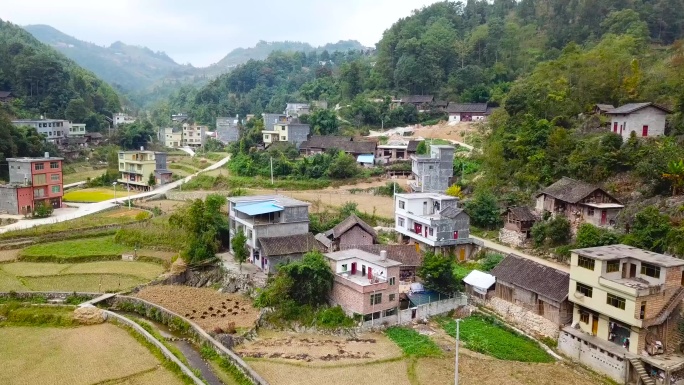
656, 302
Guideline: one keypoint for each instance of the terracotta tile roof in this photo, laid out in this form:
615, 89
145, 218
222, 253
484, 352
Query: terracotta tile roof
533, 276
290, 244
406, 254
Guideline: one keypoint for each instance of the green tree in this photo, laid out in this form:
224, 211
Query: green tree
343, 166
76, 111
491, 261
455, 191
675, 174
239, 245
649, 230
422, 148
205, 224
323, 122
589, 235
437, 272
538, 233
151, 180
484, 210
558, 230
42, 210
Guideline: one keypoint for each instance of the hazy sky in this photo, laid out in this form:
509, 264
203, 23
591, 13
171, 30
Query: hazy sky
201, 32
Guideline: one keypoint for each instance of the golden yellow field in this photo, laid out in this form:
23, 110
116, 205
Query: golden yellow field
77, 356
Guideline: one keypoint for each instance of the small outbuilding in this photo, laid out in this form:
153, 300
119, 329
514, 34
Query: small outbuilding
479, 285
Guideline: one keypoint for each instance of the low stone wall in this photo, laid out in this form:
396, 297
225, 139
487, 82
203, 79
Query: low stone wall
177, 322
111, 316
524, 319
512, 238
49, 295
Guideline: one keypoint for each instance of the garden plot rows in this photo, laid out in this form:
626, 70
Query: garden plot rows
206, 307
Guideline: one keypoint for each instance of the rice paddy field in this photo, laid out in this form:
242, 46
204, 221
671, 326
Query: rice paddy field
78, 356
91, 195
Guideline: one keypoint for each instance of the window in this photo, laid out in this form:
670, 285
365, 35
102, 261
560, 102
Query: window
391, 311
401, 222
585, 262
54, 177
391, 297
344, 267
431, 231
39, 180
615, 301
584, 318
54, 164
392, 281
430, 167
56, 189
642, 311
584, 289
376, 299
612, 266
39, 166
267, 136
120, 155
590, 212
282, 128
650, 270
402, 204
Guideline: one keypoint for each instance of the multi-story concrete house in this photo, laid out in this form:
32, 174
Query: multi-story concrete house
626, 313
193, 135
434, 222
76, 130
228, 129
120, 118
396, 151
433, 172
291, 132
170, 138
32, 182
297, 109
365, 284
642, 119
55, 130
271, 217
137, 166
580, 202
468, 112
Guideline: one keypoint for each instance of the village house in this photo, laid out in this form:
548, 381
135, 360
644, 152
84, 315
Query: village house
227, 129
6, 97
518, 222
269, 216
120, 118
407, 255
580, 202
365, 284
626, 318
289, 131
603, 109
396, 151
421, 102
94, 138
433, 172
297, 109
434, 222
642, 119
536, 288
479, 285
275, 251
32, 182
362, 150
76, 130
137, 167
468, 112
193, 135
55, 130
351, 231
171, 138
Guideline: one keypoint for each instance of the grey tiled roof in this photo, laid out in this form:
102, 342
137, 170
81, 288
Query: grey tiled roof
5, 94
632, 107
413, 145
467, 107
350, 222
324, 141
571, 190
532, 276
290, 244
417, 99
522, 213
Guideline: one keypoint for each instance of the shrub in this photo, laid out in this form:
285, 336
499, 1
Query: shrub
490, 261
333, 317
141, 216
538, 233
558, 230
43, 210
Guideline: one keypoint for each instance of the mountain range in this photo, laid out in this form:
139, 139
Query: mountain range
131, 68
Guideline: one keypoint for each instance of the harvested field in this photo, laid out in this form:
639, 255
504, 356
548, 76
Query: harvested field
206, 307
8, 255
93, 283
276, 373
77, 356
82, 174
164, 205
142, 270
8, 282
319, 350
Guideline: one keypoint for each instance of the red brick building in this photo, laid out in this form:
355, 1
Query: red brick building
32, 181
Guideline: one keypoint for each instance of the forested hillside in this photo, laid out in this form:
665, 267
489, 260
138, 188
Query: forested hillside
45, 82
126, 67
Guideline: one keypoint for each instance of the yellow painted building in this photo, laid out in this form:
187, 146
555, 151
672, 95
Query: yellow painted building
137, 166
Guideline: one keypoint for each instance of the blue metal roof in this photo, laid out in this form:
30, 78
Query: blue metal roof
366, 158
258, 208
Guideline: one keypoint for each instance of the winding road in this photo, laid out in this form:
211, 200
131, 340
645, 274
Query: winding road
91, 208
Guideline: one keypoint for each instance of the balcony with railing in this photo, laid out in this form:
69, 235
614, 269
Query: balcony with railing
362, 283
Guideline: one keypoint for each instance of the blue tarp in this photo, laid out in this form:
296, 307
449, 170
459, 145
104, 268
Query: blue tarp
366, 158
258, 208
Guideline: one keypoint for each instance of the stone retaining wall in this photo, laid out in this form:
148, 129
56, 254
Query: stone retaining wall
512, 238
111, 316
524, 319
176, 321
47, 294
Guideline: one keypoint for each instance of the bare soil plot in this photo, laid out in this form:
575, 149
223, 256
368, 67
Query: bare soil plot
9, 255
458, 132
76, 356
319, 350
382, 206
206, 307
276, 373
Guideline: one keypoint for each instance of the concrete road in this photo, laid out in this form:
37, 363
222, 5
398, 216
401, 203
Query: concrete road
91, 208
509, 250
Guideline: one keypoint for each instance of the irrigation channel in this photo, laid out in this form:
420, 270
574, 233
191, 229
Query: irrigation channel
188, 349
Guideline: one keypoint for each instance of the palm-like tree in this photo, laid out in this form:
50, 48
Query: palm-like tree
675, 174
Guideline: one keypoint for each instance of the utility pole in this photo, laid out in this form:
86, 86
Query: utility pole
271, 170
456, 363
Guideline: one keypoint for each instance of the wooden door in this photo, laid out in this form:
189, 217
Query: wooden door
604, 217
644, 130
461, 254
594, 325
